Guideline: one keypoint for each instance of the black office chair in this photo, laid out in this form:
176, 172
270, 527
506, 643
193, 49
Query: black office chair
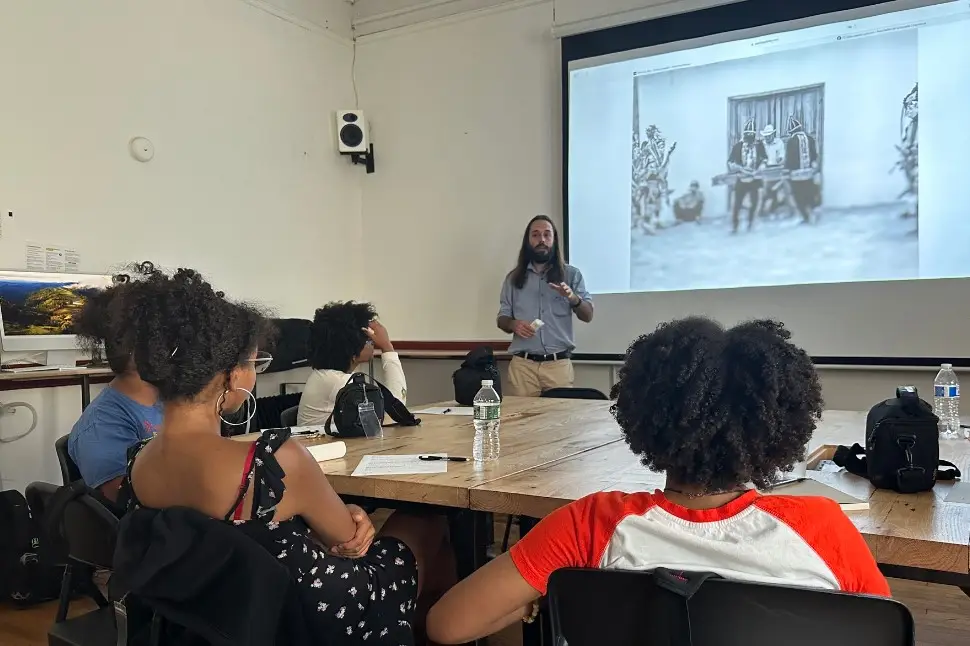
69, 471
288, 417
575, 393
89, 530
594, 607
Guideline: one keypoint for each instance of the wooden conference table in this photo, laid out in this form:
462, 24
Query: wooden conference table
555, 451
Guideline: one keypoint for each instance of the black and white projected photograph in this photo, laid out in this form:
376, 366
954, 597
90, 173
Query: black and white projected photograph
792, 167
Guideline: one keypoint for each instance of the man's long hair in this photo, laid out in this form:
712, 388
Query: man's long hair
557, 268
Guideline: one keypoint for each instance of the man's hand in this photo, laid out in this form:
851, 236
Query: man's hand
565, 290
363, 536
378, 334
523, 330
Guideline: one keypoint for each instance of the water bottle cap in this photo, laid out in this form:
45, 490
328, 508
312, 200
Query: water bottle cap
486, 382
947, 366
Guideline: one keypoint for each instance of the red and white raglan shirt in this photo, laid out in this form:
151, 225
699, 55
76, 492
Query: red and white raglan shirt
786, 540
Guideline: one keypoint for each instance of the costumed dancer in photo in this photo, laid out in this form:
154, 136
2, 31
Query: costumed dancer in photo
747, 156
775, 193
801, 160
654, 194
909, 150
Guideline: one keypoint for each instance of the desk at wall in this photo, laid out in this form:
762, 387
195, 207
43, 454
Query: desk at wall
81, 376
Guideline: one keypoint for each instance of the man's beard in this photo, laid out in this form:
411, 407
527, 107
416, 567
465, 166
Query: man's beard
540, 256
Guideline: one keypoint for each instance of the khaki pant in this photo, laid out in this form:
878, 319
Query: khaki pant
532, 378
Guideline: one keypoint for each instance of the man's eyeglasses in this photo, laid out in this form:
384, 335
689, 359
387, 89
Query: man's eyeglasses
261, 361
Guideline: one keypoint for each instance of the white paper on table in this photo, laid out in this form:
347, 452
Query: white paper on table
466, 411
394, 465
328, 451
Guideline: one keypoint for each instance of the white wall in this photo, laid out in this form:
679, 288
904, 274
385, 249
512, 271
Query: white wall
466, 129
238, 99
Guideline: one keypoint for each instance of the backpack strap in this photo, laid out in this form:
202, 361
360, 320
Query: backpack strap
396, 409
852, 459
947, 471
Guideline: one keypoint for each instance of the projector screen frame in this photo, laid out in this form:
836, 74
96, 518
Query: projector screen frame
734, 16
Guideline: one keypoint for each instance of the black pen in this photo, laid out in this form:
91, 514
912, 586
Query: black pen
784, 483
446, 411
436, 458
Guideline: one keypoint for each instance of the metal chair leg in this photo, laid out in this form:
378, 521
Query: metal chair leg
64, 600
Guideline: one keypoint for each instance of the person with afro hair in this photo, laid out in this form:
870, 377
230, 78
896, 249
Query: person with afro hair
721, 412
126, 412
342, 337
203, 352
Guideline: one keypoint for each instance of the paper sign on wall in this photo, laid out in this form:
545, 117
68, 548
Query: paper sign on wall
40, 257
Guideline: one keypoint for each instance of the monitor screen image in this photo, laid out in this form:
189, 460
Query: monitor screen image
38, 304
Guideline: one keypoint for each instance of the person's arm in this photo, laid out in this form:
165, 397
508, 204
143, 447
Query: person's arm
734, 159
100, 451
584, 311
506, 320
394, 375
112, 488
390, 360
499, 594
310, 495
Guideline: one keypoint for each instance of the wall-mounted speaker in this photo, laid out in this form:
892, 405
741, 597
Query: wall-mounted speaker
351, 132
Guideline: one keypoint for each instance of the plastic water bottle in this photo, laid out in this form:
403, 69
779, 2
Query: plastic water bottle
488, 418
946, 401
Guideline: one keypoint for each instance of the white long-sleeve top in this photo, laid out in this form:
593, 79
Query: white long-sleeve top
320, 392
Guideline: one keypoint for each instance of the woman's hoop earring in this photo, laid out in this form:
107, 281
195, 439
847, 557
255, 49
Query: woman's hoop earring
222, 399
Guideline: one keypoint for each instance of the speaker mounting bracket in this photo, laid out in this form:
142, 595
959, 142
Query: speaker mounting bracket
364, 159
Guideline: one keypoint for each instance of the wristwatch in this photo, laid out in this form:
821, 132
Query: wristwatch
578, 303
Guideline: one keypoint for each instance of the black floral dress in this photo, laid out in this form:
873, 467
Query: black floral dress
370, 600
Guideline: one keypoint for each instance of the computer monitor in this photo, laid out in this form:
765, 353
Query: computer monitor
37, 311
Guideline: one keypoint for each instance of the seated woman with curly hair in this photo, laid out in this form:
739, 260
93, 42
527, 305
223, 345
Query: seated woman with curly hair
344, 336
201, 351
718, 411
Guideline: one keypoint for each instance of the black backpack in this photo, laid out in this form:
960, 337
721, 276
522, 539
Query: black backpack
344, 420
26, 575
902, 446
478, 366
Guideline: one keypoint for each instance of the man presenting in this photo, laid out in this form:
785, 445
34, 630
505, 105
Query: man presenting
542, 288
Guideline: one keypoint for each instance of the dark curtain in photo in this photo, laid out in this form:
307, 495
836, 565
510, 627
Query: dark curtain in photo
804, 103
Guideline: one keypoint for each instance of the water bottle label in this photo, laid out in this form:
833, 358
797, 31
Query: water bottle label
946, 391
487, 413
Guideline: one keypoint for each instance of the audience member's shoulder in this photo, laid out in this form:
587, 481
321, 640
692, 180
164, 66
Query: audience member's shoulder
105, 405
804, 514
613, 506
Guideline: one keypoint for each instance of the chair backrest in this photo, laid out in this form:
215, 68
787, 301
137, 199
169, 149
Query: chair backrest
90, 530
620, 608
288, 417
69, 471
575, 393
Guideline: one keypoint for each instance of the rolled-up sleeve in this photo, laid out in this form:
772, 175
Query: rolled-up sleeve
505, 299
578, 285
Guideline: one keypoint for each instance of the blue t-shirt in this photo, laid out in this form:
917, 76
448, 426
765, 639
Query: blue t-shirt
100, 439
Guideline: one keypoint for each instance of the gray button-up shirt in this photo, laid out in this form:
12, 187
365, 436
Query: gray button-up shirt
537, 300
